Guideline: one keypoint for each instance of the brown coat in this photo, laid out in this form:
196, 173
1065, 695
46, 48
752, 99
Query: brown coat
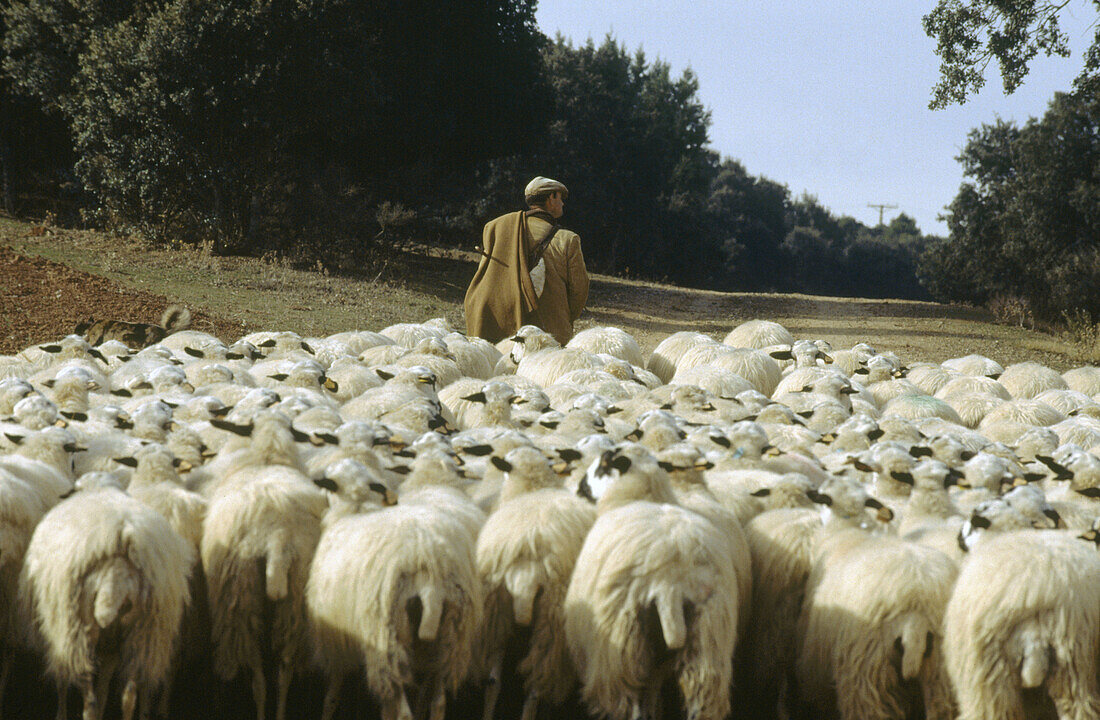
501, 297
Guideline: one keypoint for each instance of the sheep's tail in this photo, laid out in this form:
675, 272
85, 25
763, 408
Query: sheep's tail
914, 645
277, 568
175, 318
119, 585
1036, 656
670, 610
431, 602
523, 585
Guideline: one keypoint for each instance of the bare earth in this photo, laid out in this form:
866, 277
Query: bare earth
101, 277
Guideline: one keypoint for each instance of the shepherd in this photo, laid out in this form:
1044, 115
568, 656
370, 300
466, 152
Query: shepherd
531, 271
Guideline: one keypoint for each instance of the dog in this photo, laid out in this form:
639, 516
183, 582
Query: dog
135, 335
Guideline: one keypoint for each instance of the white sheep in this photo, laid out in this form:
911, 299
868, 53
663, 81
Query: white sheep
525, 556
974, 365
665, 357
395, 591
261, 529
609, 340
758, 334
1022, 616
653, 594
915, 407
1027, 379
106, 580
1083, 379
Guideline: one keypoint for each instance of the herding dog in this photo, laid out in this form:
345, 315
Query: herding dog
135, 335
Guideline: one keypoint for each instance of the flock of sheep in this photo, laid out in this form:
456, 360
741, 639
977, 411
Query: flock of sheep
760, 527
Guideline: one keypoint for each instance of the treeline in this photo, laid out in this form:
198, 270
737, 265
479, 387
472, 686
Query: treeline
1025, 227
328, 129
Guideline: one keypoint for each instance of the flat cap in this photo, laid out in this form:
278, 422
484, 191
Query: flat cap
542, 185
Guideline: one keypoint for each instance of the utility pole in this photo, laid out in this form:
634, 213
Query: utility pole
881, 207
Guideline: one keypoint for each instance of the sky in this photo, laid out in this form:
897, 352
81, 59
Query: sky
828, 98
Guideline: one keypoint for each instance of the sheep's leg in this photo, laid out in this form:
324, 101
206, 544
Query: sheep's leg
259, 685
285, 675
492, 687
62, 700
87, 691
439, 702
332, 696
530, 706
107, 668
129, 699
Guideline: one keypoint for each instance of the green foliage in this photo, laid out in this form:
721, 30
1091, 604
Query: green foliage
971, 33
1027, 223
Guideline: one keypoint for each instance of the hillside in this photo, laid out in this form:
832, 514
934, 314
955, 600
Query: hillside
52, 278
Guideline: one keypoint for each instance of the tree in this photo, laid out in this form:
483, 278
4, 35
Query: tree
1027, 222
972, 33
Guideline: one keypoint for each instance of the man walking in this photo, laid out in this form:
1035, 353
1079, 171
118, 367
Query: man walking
531, 272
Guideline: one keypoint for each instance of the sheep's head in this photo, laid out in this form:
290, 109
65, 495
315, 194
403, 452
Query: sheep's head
624, 474
845, 498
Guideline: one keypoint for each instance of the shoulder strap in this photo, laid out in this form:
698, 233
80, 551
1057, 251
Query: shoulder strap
537, 253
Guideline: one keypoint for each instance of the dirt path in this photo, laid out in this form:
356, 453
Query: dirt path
43, 300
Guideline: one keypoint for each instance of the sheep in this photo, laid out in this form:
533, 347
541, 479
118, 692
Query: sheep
1028, 412
396, 591
12, 390
866, 604
528, 340
610, 340
757, 334
1067, 402
972, 407
929, 377
665, 357
717, 381
653, 593
974, 365
409, 334
1027, 379
261, 529
106, 580
756, 366
1022, 616
406, 385
1084, 380
476, 357
546, 366
43, 459
1081, 430
854, 359
433, 354
914, 407
356, 341
525, 556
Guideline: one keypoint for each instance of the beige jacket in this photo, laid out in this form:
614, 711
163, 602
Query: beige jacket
501, 297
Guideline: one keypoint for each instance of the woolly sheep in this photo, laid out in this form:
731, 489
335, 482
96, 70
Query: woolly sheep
525, 556
972, 407
396, 591
1022, 617
655, 560
666, 356
409, 334
610, 340
1084, 380
914, 407
546, 366
930, 378
104, 564
1029, 412
974, 365
755, 366
1027, 379
758, 334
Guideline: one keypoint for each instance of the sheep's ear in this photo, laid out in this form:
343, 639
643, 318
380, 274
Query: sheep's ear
193, 352
667, 466
569, 454
297, 434
74, 448
761, 493
171, 404
234, 356
876, 434
721, 441
325, 484
400, 469
981, 522
77, 416
308, 349
782, 354
221, 412
52, 349
704, 465
331, 385
124, 358
144, 385
279, 376
1092, 492
269, 343
122, 392
549, 424
96, 354
478, 450
621, 463
828, 360
861, 371
807, 388
127, 461
17, 439
50, 383
242, 430
501, 464
873, 503
518, 339
920, 451
952, 478
967, 455
383, 374
1092, 536
1033, 477
667, 406
903, 477
861, 466
805, 414
478, 397
635, 435
994, 376
327, 438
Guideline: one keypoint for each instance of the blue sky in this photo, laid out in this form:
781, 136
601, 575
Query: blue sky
829, 98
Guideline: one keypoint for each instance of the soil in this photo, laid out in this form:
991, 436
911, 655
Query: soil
44, 300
